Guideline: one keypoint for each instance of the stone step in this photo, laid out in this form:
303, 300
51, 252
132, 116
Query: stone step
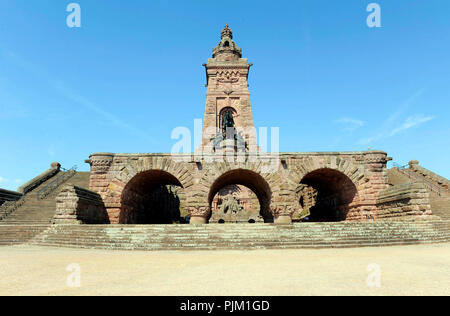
252, 235
440, 204
19, 234
246, 246
235, 238
86, 228
237, 243
259, 232
245, 236
38, 211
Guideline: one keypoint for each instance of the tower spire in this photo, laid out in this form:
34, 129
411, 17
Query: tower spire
228, 98
227, 47
227, 32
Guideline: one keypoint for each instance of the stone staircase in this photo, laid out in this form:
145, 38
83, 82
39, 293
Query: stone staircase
35, 215
37, 211
19, 234
396, 177
440, 204
244, 236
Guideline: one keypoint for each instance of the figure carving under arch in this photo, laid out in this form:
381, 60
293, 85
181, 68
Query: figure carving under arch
243, 181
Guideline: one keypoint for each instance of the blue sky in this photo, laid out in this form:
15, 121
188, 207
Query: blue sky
132, 73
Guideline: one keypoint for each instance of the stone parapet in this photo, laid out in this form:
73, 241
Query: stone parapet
404, 200
429, 175
75, 205
8, 196
37, 181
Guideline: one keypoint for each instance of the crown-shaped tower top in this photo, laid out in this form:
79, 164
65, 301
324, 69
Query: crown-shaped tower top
227, 32
227, 49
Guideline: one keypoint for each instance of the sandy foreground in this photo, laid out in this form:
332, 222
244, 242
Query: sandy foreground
409, 270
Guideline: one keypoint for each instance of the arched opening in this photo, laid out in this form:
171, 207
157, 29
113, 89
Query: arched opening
222, 113
152, 197
235, 204
240, 196
326, 195
226, 44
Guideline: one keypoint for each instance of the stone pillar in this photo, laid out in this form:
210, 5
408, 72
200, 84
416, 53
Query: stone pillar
199, 214
413, 164
284, 204
282, 213
55, 165
374, 181
99, 182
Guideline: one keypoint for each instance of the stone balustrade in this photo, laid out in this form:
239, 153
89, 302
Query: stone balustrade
37, 181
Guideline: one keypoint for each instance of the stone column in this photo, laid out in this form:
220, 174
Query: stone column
374, 181
199, 214
284, 204
282, 214
101, 164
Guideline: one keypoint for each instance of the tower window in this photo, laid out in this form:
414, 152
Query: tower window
226, 44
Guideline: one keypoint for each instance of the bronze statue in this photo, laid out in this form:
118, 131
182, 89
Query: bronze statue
231, 205
227, 121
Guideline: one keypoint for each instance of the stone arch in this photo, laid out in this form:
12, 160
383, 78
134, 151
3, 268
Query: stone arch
216, 170
298, 169
175, 166
151, 197
161, 170
222, 112
307, 165
330, 195
250, 179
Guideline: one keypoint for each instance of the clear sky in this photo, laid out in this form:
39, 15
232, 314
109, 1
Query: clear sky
132, 73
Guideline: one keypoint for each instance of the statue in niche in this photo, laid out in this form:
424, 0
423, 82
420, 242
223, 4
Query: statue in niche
227, 122
231, 205
229, 132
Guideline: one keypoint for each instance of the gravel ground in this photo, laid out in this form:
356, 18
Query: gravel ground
409, 270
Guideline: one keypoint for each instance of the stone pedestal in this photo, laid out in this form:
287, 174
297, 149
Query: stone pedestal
228, 147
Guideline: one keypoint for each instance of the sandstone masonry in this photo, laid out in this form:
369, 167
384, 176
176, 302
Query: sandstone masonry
329, 186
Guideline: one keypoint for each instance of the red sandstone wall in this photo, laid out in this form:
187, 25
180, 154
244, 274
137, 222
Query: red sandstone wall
366, 170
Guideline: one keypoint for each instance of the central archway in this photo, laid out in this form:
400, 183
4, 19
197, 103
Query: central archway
152, 197
248, 179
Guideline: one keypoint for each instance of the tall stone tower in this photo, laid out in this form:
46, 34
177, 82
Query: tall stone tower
227, 75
